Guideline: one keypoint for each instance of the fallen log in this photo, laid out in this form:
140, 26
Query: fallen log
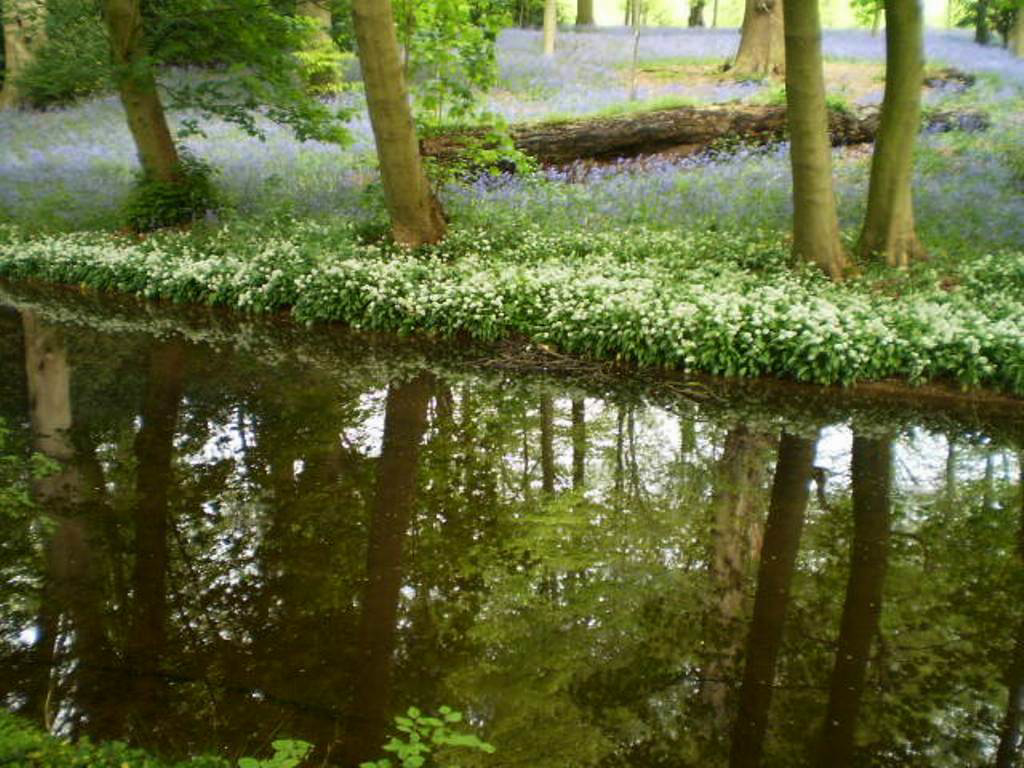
678, 129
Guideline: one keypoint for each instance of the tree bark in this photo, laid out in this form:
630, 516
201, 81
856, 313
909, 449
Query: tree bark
547, 443
550, 26
788, 506
815, 220
416, 216
862, 609
737, 508
154, 451
762, 41
579, 443
584, 13
24, 23
1015, 41
982, 29
1009, 751
680, 129
136, 86
405, 422
889, 223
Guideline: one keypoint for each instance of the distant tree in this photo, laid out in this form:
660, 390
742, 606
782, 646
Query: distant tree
321, 58
889, 223
815, 219
416, 215
550, 26
696, 18
762, 43
24, 23
584, 13
1016, 38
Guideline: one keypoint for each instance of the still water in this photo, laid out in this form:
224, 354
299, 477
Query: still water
246, 531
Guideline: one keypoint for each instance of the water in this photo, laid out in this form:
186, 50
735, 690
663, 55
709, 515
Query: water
253, 530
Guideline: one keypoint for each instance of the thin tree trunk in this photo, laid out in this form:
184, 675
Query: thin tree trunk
815, 220
24, 23
579, 443
416, 215
876, 21
550, 26
790, 493
982, 30
584, 13
862, 609
1016, 39
405, 422
547, 443
762, 41
714, 14
737, 507
889, 223
136, 86
154, 451
1009, 751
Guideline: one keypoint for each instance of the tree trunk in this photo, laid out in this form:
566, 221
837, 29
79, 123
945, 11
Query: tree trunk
762, 42
790, 493
154, 451
550, 26
584, 13
579, 443
862, 608
1009, 752
547, 444
696, 13
982, 30
1016, 39
405, 421
737, 508
136, 85
325, 77
24, 23
815, 220
889, 223
416, 215
678, 129
714, 14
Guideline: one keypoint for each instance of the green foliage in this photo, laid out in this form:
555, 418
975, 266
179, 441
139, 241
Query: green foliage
726, 303
24, 746
427, 740
74, 62
450, 45
288, 753
156, 204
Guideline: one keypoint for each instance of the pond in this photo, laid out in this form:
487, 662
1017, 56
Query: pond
249, 530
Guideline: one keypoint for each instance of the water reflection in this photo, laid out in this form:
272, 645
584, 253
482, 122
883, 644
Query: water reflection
304, 538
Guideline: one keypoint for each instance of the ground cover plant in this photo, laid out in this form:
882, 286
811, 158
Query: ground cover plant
728, 303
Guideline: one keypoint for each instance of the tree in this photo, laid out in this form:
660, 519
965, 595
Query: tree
1015, 41
584, 13
322, 57
889, 223
136, 87
24, 23
416, 216
786, 511
862, 608
762, 43
550, 26
696, 18
815, 219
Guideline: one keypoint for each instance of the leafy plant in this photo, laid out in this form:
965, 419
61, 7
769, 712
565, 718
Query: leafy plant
288, 753
427, 739
156, 204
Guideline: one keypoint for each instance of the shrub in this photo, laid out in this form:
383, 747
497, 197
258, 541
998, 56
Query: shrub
156, 204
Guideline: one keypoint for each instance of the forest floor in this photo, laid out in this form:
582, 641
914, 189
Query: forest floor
661, 260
